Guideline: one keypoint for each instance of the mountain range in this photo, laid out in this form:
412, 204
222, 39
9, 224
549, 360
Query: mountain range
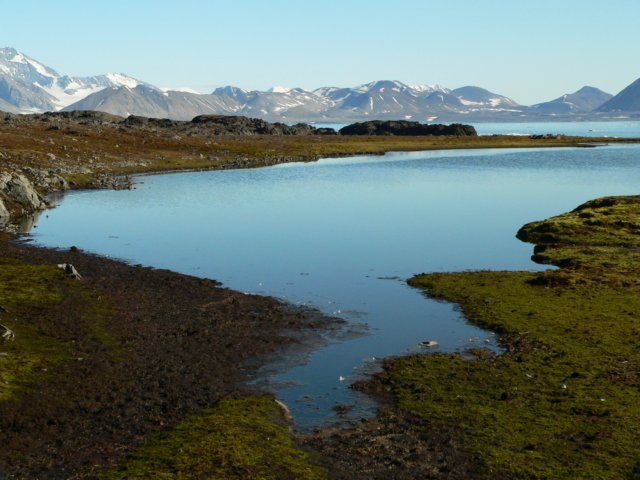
28, 86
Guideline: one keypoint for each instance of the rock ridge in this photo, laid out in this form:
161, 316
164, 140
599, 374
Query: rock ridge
405, 127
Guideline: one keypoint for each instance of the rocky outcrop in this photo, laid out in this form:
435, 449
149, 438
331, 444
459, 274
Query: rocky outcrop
4, 214
17, 188
239, 125
46, 180
19, 193
137, 121
404, 127
200, 125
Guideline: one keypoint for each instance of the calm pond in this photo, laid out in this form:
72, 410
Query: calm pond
342, 235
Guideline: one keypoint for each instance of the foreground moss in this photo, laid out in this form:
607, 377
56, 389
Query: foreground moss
31, 351
239, 438
33, 301
564, 400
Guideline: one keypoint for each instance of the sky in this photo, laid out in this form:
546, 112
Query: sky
531, 51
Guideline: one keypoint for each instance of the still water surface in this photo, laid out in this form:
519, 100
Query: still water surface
341, 235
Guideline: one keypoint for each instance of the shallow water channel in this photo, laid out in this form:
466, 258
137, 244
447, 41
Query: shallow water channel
342, 235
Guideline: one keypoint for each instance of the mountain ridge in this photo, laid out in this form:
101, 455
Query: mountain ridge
31, 86
586, 99
628, 100
28, 86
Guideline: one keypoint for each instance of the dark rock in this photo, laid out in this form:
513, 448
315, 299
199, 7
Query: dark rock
325, 131
550, 136
137, 121
342, 409
239, 125
405, 127
89, 116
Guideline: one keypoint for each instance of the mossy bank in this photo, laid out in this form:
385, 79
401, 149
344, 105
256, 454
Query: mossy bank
128, 360
563, 400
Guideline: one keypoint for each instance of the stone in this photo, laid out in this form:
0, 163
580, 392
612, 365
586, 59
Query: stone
70, 270
6, 333
18, 188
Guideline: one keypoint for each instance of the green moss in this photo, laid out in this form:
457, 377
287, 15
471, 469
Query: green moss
34, 298
239, 438
78, 180
30, 352
25, 358
26, 284
564, 400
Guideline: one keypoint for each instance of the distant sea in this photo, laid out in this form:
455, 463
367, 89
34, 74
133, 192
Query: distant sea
620, 129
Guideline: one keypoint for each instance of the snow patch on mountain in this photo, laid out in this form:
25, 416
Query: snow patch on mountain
18, 58
41, 69
71, 94
120, 80
279, 89
180, 89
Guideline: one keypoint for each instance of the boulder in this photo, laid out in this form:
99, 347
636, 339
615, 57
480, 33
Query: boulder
6, 333
18, 188
70, 270
405, 127
4, 214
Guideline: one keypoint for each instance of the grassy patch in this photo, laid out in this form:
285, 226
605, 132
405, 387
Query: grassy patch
239, 438
47, 311
30, 352
564, 400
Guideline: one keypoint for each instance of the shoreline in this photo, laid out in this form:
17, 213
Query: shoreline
150, 358
41, 154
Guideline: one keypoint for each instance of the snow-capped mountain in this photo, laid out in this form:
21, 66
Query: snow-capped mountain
479, 98
284, 104
233, 92
27, 85
584, 100
379, 99
30, 86
151, 102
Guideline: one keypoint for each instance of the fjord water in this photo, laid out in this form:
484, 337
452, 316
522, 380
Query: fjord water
342, 235
613, 129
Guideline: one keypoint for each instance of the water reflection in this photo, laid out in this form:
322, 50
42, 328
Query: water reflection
341, 235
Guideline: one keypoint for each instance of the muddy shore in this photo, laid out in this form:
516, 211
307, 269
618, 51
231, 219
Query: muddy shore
171, 346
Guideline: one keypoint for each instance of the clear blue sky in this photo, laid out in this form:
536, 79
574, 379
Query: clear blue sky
531, 51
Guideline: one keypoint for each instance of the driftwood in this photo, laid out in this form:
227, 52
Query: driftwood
6, 333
